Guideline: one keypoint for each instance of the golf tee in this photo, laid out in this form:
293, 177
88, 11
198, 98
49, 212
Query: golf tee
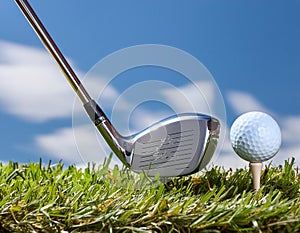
256, 173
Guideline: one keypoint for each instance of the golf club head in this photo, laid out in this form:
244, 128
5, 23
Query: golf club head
176, 146
179, 145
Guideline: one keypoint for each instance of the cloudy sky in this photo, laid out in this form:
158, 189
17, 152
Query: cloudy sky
251, 49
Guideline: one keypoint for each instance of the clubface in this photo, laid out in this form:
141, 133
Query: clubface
177, 146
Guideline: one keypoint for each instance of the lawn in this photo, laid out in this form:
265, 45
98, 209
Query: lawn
52, 198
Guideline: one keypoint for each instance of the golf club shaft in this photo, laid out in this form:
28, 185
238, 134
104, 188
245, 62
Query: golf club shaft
54, 50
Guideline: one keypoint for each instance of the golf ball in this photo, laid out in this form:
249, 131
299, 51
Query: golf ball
255, 136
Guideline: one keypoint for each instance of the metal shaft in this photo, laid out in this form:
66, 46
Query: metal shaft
53, 49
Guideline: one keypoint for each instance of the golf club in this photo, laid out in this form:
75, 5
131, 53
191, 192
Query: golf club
179, 145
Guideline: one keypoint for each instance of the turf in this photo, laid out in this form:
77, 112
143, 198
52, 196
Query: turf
54, 198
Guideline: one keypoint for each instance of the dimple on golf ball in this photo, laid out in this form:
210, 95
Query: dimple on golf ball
255, 136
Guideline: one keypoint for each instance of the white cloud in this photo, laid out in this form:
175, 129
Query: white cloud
79, 145
286, 153
59, 144
99, 88
244, 102
191, 98
230, 160
32, 86
290, 129
145, 118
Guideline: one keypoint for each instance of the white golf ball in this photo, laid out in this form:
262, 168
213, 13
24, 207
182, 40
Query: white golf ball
255, 136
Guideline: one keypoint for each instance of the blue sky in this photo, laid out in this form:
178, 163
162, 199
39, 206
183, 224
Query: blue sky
252, 49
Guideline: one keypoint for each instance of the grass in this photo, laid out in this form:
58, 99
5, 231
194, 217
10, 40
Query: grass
37, 198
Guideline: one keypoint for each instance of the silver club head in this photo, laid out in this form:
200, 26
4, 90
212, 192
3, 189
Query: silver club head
179, 145
176, 146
